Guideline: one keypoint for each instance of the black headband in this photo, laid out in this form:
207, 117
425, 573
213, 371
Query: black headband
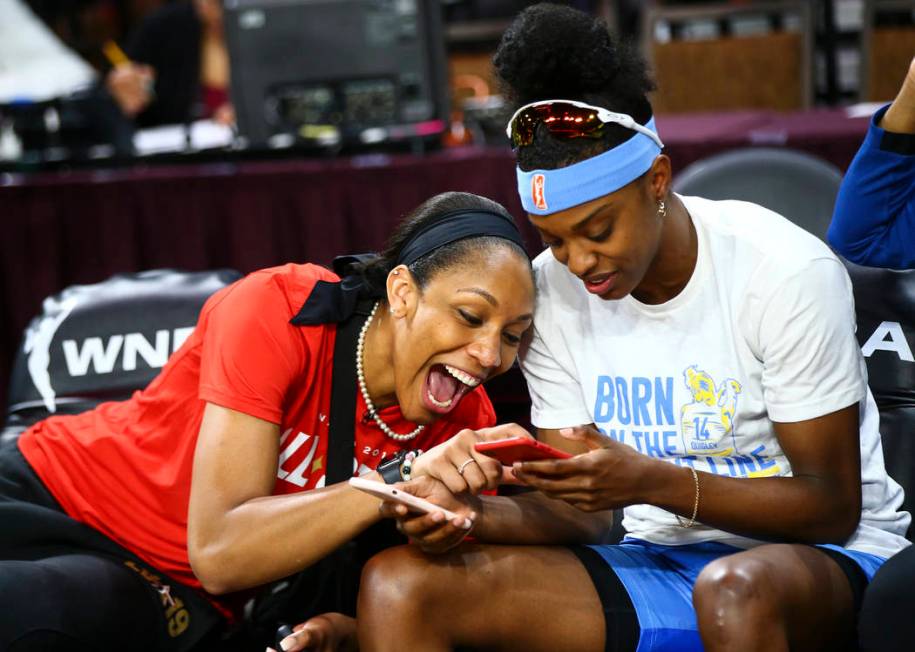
458, 225
331, 302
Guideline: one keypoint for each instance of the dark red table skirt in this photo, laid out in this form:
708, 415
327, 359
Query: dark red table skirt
81, 227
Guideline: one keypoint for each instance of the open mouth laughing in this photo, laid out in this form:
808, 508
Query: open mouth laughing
445, 386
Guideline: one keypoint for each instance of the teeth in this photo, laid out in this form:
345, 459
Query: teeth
439, 403
465, 378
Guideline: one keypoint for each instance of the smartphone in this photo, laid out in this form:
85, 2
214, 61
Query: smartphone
519, 449
388, 492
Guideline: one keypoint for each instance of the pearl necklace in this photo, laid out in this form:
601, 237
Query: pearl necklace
360, 376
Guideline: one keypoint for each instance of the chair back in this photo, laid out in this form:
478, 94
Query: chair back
885, 308
101, 342
795, 184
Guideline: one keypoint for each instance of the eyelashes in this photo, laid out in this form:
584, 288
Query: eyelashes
473, 320
603, 235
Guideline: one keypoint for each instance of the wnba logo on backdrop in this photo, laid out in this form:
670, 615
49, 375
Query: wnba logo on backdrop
538, 191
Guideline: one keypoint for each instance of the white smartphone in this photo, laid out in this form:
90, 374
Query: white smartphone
388, 492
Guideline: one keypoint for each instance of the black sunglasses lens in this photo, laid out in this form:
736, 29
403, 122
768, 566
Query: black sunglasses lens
523, 128
561, 119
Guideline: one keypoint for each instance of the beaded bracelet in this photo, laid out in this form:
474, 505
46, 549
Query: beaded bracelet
406, 467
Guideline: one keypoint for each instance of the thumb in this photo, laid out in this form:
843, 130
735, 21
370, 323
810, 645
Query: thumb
588, 435
298, 640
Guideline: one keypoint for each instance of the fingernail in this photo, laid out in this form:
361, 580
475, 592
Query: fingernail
566, 431
287, 643
467, 524
438, 517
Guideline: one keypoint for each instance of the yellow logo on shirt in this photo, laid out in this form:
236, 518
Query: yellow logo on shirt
709, 418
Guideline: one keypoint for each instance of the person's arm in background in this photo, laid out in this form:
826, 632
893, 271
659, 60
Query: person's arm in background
131, 80
874, 219
160, 82
131, 85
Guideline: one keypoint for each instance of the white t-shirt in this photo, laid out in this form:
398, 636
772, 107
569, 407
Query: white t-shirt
762, 332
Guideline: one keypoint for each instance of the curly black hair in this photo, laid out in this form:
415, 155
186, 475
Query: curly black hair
375, 271
553, 51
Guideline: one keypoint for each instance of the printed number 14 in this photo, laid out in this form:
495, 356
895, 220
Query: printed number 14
701, 428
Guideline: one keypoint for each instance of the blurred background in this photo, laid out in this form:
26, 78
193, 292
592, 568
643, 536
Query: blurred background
205, 134
81, 81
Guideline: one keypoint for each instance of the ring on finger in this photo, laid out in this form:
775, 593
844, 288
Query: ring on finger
464, 464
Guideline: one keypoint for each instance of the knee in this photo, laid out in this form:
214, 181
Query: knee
730, 592
24, 605
892, 591
393, 580
29, 618
885, 622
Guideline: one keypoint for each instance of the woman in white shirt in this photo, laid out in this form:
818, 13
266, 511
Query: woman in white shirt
709, 349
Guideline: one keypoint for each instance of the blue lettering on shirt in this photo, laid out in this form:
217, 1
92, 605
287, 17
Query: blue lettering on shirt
641, 396
603, 404
632, 401
612, 401
623, 414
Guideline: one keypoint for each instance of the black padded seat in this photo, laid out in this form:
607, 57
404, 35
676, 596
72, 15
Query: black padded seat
885, 308
102, 342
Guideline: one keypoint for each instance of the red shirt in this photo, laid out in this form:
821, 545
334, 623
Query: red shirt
125, 468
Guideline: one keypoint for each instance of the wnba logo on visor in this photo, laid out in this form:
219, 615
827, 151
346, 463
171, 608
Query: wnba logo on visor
538, 191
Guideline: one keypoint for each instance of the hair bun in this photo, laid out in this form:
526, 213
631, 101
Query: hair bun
556, 51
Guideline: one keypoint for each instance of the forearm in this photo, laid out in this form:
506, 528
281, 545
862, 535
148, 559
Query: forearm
267, 538
900, 117
532, 518
806, 509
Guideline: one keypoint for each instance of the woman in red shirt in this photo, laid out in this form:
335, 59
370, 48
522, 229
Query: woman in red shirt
212, 480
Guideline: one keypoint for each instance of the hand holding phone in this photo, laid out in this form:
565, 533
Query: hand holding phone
519, 449
389, 492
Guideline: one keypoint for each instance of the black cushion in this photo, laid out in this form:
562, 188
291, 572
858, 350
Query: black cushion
100, 342
885, 307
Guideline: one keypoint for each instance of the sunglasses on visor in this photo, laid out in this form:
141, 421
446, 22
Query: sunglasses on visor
568, 119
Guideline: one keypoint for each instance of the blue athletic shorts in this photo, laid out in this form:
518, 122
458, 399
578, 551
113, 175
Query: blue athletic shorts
659, 580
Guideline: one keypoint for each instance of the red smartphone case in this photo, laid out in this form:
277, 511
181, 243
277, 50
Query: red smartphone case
519, 449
